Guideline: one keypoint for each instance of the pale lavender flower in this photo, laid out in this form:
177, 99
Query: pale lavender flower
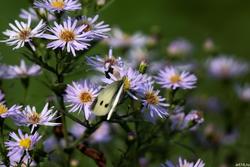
171, 78
8, 112
226, 67
52, 143
177, 121
77, 130
154, 105
243, 92
179, 48
101, 135
23, 70
22, 33
193, 119
68, 35
184, 163
30, 12
80, 96
21, 145
30, 117
190, 121
3, 71
108, 64
137, 56
58, 5
98, 30
120, 39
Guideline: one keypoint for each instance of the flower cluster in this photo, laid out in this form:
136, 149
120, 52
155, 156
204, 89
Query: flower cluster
73, 34
131, 98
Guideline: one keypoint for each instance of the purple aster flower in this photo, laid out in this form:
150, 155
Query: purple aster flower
225, 67
193, 119
68, 35
171, 78
177, 121
102, 134
137, 56
24, 71
243, 92
106, 65
154, 105
21, 145
8, 112
179, 48
119, 39
98, 30
22, 33
80, 96
184, 163
58, 5
25, 14
30, 117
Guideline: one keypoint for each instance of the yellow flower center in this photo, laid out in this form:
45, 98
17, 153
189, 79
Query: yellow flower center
34, 118
3, 109
67, 35
59, 4
151, 98
85, 97
25, 143
24, 34
126, 84
175, 78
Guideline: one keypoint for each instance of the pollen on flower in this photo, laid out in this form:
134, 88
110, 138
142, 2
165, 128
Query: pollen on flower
175, 78
151, 98
85, 97
59, 4
67, 35
126, 84
34, 118
26, 143
3, 109
24, 34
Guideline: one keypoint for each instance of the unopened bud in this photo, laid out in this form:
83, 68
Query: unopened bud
143, 67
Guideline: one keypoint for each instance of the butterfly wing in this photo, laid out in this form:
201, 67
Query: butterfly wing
104, 101
115, 101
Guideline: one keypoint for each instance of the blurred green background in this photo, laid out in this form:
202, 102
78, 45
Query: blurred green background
225, 21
